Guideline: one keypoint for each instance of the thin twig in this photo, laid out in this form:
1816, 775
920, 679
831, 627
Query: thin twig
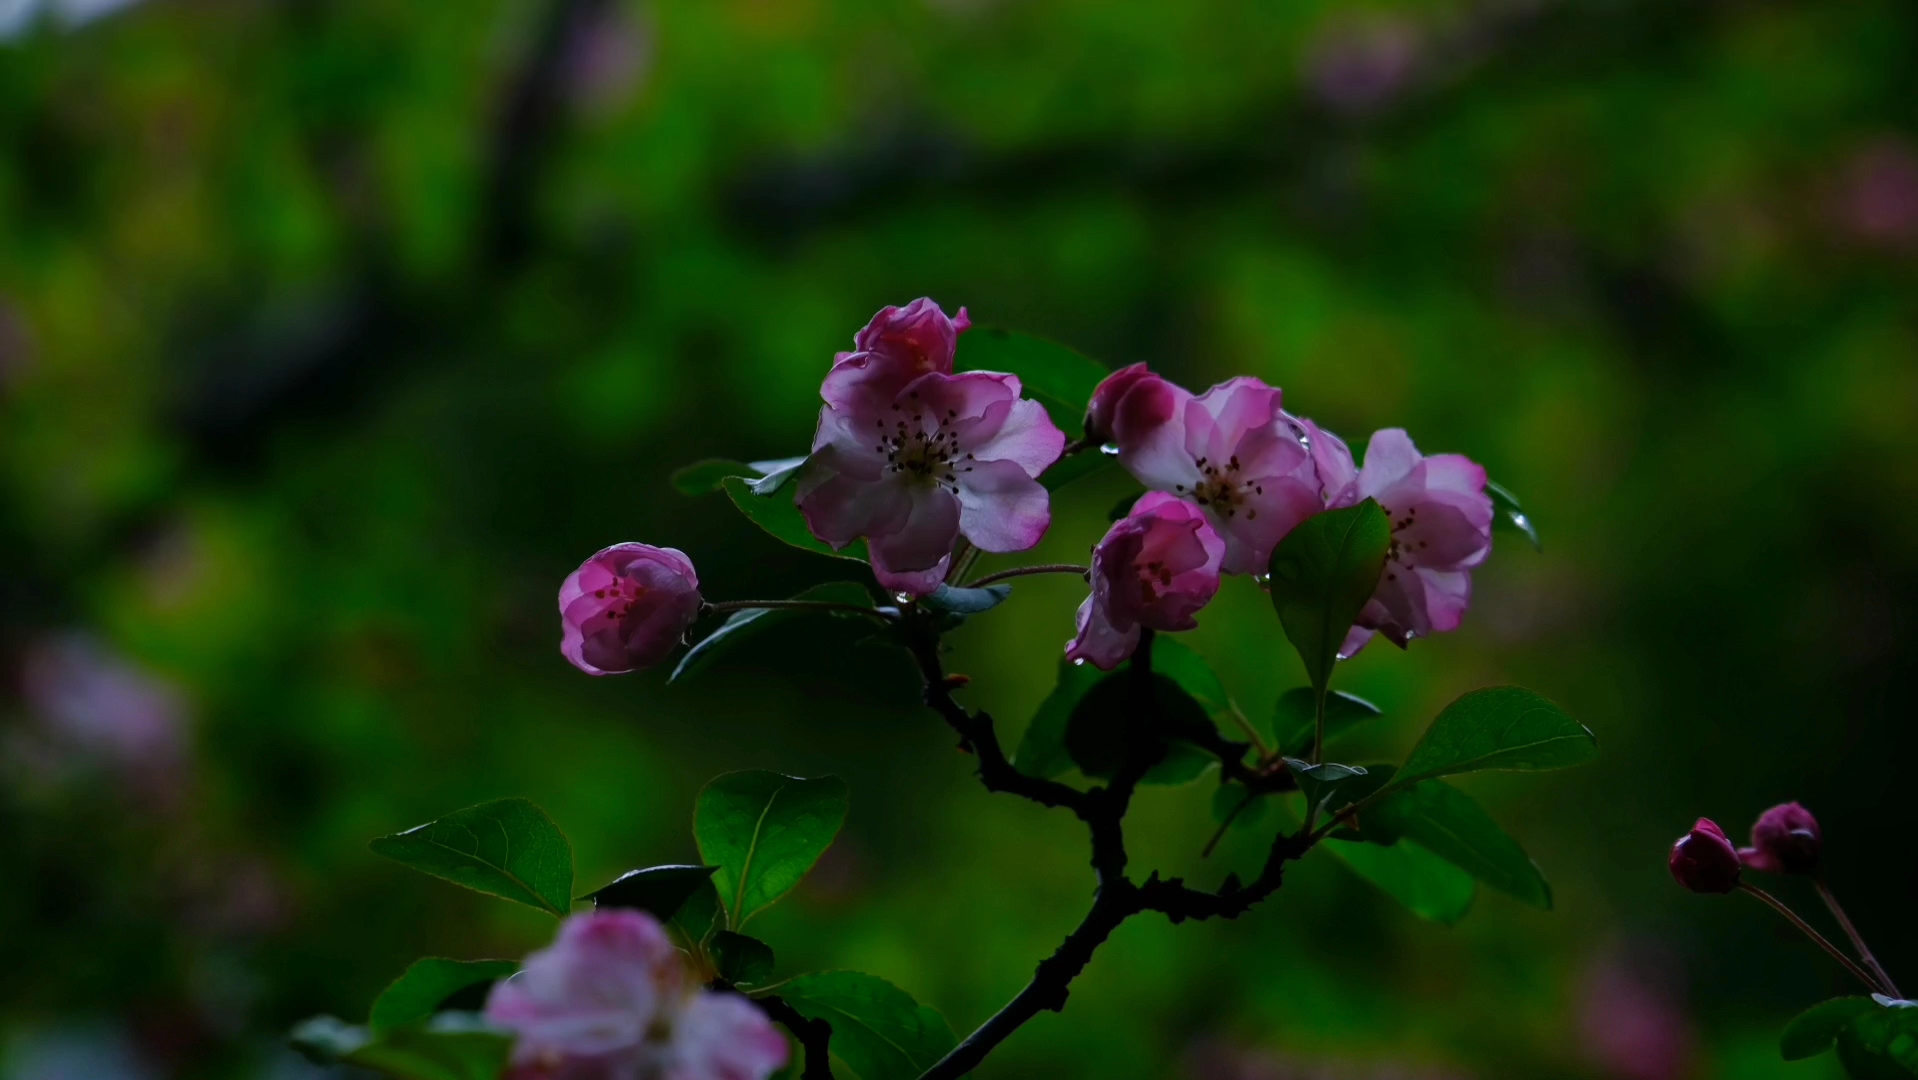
813, 1036
1857, 940
1022, 571
801, 605
1816, 937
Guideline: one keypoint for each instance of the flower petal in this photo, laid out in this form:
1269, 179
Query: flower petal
1002, 508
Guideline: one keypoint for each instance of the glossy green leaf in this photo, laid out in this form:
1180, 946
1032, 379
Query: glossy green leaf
742, 625
1057, 377
777, 515
1881, 1039
1448, 823
1098, 732
741, 960
1176, 660
1507, 516
659, 891
1323, 573
1322, 783
508, 848
698, 917
1075, 467
1812, 1032
764, 831
962, 601
1499, 727
706, 477
424, 987
1042, 749
1294, 722
451, 1046
1427, 885
878, 1030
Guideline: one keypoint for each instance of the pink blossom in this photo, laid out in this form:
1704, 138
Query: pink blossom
897, 346
95, 708
1155, 567
723, 1037
1703, 860
1151, 408
913, 469
1441, 529
610, 999
626, 608
1231, 450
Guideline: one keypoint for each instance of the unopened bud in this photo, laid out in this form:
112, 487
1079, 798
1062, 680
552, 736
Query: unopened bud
1704, 860
1785, 840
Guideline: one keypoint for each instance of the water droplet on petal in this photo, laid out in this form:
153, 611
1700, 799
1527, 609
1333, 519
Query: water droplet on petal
1110, 449
902, 597
1079, 662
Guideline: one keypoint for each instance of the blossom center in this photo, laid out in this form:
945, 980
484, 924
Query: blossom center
920, 454
1397, 550
1153, 577
1223, 490
622, 594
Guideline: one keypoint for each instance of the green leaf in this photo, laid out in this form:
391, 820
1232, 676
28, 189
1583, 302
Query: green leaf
1811, 1032
1075, 467
1323, 573
764, 831
1294, 722
422, 989
1881, 1041
743, 624
778, 516
878, 1030
1049, 373
705, 477
742, 960
451, 1046
1507, 516
967, 601
697, 917
1448, 823
1176, 660
1499, 727
1427, 885
508, 848
1321, 783
659, 891
1098, 732
1042, 749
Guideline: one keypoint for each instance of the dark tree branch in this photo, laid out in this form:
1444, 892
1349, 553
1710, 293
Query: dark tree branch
1103, 809
814, 1036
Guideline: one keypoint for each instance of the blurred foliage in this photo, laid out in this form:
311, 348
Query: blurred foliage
334, 333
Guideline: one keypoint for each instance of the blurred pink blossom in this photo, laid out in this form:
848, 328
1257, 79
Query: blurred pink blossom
1361, 65
1877, 194
1630, 1025
92, 708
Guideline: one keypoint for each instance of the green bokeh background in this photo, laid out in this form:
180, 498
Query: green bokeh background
334, 334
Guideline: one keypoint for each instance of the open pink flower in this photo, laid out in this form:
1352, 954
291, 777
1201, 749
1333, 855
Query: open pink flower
944, 456
1231, 450
1156, 567
627, 608
897, 346
723, 1037
1441, 529
610, 999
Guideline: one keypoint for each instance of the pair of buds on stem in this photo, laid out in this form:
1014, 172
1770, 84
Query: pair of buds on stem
1785, 840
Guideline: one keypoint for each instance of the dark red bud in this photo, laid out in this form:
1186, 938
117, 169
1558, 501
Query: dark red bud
1704, 860
1785, 840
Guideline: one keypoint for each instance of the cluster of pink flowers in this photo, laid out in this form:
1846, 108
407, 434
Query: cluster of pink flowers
611, 999
913, 458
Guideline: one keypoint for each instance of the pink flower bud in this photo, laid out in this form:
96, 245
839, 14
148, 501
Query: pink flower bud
1785, 840
1156, 567
1152, 406
627, 608
1704, 860
897, 346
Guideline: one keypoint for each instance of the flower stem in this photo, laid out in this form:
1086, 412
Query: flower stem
1858, 942
1265, 752
1022, 571
1818, 938
802, 605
